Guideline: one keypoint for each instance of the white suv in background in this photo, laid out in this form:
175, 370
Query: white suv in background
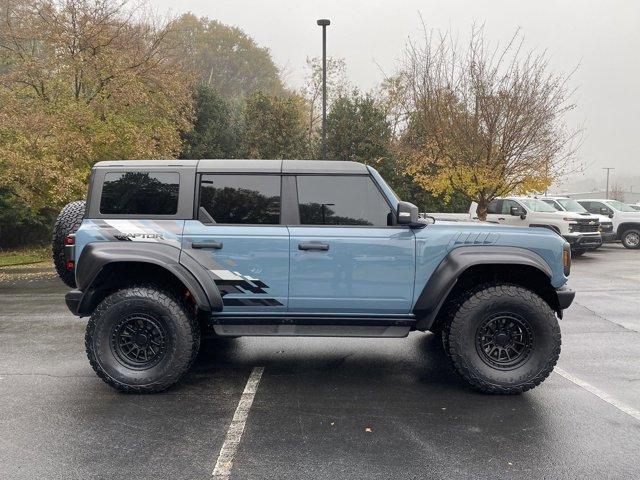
626, 220
566, 204
582, 232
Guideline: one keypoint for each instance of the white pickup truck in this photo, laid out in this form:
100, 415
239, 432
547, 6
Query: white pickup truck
566, 204
626, 220
580, 230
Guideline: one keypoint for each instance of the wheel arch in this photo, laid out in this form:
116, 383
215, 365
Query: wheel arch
106, 266
623, 227
467, 266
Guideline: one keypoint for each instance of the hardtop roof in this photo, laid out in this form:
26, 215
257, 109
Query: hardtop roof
247, 166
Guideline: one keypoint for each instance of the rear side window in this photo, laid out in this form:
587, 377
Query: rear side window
341, 200
494, 207
241, 199
140, 193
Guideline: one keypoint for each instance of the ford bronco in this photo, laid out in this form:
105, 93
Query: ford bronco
164, 249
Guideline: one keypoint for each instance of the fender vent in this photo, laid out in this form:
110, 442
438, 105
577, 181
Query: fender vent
476, 238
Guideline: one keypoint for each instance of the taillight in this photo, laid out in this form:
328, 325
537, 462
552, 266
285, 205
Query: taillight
566, 260
70, 264
70, 240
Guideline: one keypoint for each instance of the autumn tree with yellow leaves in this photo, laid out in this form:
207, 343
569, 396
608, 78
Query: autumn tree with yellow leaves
483, 122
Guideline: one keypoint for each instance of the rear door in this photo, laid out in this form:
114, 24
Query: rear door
239, 239
345, 258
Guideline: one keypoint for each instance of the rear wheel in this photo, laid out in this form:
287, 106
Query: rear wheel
68, 222
631, 239
142, 339
502, 339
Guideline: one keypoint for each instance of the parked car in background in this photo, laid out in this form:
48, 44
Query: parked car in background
581, 231
566, 204
635, 207
626, 220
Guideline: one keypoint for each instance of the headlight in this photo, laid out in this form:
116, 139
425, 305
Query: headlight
572, 225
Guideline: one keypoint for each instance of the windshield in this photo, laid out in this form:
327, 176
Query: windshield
571, 205
622, 207
536, 205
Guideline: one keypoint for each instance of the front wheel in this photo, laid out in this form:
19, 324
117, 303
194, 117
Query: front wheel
631, 239
503, 339
142, 339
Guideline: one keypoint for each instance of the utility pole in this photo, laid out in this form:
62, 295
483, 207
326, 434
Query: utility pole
608, 169
323, 22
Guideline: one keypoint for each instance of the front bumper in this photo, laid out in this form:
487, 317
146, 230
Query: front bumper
584, 242
608, 236
565, 297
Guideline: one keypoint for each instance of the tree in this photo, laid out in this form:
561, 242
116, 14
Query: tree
337, 86
213, 134
275, 127
225, 58
481, 122
82, 81
617, 192
357, 130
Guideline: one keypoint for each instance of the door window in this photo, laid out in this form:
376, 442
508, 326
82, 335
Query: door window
241, 199
341, 200
507, 204
494, 207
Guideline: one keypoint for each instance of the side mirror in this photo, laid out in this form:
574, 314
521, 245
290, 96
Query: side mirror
518, 212
407, 214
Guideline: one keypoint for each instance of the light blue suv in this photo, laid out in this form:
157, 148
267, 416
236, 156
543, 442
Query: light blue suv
164, 250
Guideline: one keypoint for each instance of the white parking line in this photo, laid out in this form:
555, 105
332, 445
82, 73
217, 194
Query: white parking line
222, 470
623, 407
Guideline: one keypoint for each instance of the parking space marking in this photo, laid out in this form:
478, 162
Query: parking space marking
222, 470
623, 407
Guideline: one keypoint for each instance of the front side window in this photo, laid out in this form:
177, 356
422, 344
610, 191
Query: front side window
507, 204
241, 199
594, 207
140, 193
341, 200
554, 204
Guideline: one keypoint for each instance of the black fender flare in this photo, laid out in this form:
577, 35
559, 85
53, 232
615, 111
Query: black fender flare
446, 274
623, 227
95, 256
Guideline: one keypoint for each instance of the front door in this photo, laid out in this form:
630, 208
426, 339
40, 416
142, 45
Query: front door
239, 239
344, 257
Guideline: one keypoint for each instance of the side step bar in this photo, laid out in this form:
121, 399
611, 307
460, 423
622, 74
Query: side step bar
314, 326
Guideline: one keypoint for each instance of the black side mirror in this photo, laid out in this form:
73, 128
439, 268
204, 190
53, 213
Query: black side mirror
407, 214
518, 212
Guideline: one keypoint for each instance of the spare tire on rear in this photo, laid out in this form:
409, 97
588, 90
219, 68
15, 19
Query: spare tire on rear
68, 222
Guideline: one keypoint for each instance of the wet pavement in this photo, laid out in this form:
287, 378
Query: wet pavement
326, 407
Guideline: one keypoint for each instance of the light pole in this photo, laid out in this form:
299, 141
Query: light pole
608, 169
324, 23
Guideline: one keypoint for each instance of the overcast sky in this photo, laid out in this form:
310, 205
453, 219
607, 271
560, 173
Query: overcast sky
602, 37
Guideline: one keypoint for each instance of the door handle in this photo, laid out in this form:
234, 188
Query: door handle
320, 247
215, 245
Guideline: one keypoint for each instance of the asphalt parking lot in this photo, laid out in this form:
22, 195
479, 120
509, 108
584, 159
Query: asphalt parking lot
326, 408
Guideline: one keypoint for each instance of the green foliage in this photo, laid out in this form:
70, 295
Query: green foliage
225, 58
275, 127
357, 130
214, 134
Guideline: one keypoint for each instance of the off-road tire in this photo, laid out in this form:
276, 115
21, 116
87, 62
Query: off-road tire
68, 222
181, 339
479, 305
627, 236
